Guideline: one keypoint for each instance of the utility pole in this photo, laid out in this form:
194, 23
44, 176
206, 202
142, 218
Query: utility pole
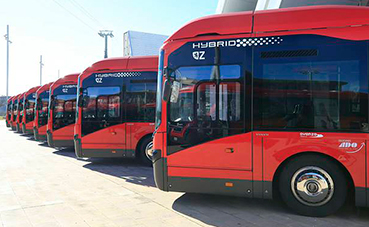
41, 64
105, 34
8, 42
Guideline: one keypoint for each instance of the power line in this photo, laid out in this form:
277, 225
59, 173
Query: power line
74, 15
85, 11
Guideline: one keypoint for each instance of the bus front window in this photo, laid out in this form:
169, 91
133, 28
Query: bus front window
15, 110
64, 110
205, 104
101, 109
43, 110
20, 110
30, 106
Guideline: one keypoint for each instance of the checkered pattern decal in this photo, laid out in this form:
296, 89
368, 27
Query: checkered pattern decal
259, 41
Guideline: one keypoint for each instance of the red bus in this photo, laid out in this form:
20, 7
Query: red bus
29, 110
20, 108
62, 112
261, 103
116, 108
41, 114
9, 111
14, 115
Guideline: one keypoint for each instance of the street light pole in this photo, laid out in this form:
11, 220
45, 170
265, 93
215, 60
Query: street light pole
41, 64
105, 34
8, 42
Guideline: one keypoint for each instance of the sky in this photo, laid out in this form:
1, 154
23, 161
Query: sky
65, 33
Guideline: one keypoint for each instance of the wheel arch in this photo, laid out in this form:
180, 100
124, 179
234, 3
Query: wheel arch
140, 142
276, 176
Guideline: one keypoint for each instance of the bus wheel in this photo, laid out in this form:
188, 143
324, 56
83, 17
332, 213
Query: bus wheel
313, 185
145, 146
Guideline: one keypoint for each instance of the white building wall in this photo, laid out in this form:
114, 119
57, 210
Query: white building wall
141, 43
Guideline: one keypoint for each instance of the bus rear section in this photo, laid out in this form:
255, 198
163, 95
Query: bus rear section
276, 103
29, 110
41, 112
116, 108
62, 112
9, 111
13, 120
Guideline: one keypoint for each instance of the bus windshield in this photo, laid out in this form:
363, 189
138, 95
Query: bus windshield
30, 106
20, 110
205, 104
9, 110
101, 104
43, 108
15, 108
64, 106
64, 110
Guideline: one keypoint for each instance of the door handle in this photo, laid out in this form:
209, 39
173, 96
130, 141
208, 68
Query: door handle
113, 133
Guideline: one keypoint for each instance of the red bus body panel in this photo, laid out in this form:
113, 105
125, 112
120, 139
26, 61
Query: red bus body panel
258, 154
62, 137
118, 140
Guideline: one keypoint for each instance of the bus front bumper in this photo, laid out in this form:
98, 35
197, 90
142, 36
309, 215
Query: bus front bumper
25, 130
58, 143
37, 136
77, 146
160, 173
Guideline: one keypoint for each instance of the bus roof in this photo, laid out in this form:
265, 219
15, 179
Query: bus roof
21, 96
288, 19
123, 63
44, 88
32, 90
68, 79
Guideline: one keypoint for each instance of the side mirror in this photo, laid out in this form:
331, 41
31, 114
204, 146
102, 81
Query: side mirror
39, 104
52, 102
80, 101
167, 90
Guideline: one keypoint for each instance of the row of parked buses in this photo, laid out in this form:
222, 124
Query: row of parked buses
106, 111
250, 104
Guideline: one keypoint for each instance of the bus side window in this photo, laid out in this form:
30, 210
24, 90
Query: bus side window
325, 93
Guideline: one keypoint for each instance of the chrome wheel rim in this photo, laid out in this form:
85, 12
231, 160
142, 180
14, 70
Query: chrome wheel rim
147, 149
312, 186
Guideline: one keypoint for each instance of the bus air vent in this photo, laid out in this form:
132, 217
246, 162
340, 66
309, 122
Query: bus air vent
289, 53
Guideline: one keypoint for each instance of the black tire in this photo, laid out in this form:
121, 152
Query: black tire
326, 207
142, 151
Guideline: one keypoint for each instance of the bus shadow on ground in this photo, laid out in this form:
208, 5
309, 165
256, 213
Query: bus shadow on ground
67, 152
31, 138
222, 211
43, 144
129, 170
